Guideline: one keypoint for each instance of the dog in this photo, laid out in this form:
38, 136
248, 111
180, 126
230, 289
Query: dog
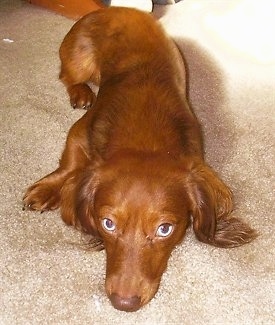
132, 174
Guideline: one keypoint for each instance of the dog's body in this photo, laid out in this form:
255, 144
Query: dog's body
132, 173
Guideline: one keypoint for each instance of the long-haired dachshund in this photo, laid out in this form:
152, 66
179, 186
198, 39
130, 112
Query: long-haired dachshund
132, 173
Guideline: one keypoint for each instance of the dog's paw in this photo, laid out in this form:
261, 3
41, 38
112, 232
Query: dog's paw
81, 96
42, 196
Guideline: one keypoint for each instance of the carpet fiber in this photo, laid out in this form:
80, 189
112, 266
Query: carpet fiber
45, 276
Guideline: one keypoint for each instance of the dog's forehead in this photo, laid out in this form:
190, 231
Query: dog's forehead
147, 179
148, 167
134, 187
142, 188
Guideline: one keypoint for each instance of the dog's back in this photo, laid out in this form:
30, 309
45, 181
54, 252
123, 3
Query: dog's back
142, 81
120, 40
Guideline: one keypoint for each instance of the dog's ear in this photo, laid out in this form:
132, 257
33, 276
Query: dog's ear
211, 207
84, 201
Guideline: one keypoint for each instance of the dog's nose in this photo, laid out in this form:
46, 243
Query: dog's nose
125, 304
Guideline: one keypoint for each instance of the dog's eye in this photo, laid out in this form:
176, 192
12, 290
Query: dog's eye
164, 230
108, 224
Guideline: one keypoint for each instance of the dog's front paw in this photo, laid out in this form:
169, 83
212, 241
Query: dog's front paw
42, 196
81, 96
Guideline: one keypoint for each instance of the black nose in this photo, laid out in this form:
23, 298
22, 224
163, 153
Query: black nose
125, 304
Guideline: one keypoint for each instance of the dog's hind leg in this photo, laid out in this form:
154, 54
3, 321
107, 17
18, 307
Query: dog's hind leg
78, 68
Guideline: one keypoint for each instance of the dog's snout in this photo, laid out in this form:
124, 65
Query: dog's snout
125, 304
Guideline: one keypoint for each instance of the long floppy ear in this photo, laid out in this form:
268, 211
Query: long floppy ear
211, 207
84, 201
77, 198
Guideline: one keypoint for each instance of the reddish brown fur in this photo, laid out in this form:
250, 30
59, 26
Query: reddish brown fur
135, 159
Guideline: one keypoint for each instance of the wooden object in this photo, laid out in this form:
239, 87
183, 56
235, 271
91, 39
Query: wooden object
73, 9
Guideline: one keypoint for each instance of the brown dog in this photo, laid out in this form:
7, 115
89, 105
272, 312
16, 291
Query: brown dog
132, 173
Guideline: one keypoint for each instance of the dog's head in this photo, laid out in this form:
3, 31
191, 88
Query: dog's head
141, 207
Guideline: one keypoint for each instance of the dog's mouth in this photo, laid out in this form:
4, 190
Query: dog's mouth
130, 293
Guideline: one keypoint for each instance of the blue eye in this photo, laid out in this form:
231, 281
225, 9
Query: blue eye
108, 224
164, 230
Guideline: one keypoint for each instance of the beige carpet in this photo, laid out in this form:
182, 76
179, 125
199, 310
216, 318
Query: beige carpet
47, 279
